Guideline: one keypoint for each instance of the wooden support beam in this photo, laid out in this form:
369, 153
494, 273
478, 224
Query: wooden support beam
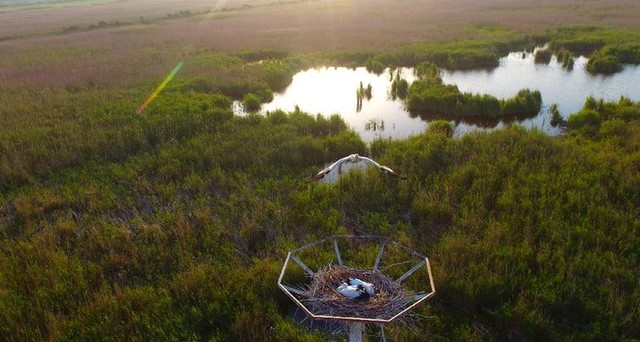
379, 256
335, 246
294, 290
304, 267
411, 271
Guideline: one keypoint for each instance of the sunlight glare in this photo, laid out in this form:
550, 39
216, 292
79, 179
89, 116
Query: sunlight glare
217, 7
160, 87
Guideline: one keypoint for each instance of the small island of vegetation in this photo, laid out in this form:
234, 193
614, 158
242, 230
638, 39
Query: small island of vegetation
430, 96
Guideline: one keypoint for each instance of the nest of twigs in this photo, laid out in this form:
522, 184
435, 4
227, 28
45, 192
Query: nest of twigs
390, 298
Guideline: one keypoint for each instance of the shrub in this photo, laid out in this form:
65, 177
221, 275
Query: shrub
251, 102
628, 113
525, 102
566, 58
399, 88
586, 121
628, 53
277, 117
478, 105
441, 127
556, 118
603, 64
543, 56
615, 128
427, 70
375, 66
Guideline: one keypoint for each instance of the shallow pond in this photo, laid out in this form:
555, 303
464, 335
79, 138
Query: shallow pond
566, 88
332, 90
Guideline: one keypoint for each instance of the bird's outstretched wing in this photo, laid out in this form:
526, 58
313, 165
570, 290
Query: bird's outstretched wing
328, 169
390, 172
320, 174
385, 169
338, 165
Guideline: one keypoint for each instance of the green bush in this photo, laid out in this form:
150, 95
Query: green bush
441, 127
556, 117
566, 58
603, 64
543, 56
585, 121
427, 70
251, 102
399, 88
375, 66
525, 102
600, 119
625, 53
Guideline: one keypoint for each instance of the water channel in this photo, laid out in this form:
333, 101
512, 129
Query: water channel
332, 90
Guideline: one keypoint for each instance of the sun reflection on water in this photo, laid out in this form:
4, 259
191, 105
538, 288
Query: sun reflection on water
333, 90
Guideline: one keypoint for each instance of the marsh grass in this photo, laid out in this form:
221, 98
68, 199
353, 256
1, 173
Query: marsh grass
173, 225
184, 236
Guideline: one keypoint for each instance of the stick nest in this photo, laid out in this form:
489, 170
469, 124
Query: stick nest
390, 298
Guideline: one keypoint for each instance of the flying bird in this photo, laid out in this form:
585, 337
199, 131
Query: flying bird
343, 165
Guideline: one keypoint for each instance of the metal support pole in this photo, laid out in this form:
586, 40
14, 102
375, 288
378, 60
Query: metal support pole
356, 329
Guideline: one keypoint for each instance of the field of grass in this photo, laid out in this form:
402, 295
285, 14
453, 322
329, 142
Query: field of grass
21, 5
173, 224
134, 36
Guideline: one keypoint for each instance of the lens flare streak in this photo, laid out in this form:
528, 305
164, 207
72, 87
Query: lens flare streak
162, 85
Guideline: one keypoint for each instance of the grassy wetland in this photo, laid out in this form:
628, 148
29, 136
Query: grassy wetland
173, 224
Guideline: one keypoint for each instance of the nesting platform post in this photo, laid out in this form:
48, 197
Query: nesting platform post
356, 330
